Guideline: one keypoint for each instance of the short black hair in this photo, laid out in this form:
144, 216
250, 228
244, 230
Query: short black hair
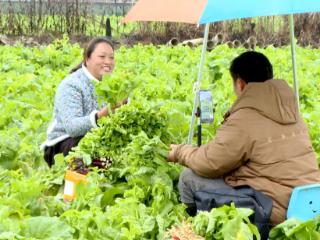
251, 66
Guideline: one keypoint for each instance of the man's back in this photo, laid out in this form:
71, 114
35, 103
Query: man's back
280, 154
263, 142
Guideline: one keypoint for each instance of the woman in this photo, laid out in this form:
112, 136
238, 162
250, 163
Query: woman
75, 106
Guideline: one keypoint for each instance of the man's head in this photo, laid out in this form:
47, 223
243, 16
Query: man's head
250, 67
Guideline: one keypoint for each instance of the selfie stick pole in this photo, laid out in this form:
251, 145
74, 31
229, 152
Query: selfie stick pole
197, 84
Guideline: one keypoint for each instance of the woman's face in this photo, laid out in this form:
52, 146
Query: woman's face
101, 60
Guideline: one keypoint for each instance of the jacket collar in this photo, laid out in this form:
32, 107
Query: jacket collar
88, 74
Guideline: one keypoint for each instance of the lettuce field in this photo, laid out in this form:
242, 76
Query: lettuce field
136, 197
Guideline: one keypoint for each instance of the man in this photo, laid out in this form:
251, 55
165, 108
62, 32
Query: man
263, 142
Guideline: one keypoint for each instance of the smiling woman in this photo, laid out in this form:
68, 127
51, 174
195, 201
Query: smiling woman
75, 107
98, 57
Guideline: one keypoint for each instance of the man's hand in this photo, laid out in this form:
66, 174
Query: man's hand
172, 153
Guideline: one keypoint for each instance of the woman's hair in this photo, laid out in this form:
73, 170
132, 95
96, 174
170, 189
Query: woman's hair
251, 66
91, 46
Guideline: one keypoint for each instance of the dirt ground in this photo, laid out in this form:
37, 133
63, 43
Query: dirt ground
304, 38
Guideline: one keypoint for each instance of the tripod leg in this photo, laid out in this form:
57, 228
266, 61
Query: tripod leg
199, 135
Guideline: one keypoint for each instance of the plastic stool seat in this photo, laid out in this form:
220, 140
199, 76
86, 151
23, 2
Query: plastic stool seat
304, 202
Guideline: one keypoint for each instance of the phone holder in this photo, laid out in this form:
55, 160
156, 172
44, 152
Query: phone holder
204, 112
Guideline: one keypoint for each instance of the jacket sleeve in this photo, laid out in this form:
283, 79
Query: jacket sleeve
228, 151
69, 104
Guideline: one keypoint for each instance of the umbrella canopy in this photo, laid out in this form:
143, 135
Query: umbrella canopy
217, 10
206, 11
187, 11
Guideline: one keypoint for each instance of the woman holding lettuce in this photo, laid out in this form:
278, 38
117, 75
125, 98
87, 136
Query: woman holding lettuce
76, 109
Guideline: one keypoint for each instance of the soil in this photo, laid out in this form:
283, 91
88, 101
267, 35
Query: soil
181, 33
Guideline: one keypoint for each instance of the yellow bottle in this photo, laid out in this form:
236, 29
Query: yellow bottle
71, 181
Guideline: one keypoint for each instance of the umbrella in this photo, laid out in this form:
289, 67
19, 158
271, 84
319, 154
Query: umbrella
208, 11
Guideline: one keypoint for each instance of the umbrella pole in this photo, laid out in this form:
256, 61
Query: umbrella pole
197, 84
294, 63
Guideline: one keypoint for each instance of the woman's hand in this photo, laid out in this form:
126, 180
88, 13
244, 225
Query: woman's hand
121, 103
103, 113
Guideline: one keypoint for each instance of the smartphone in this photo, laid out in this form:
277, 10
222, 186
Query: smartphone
206, 106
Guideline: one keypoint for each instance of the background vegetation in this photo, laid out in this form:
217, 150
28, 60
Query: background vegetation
46, 20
